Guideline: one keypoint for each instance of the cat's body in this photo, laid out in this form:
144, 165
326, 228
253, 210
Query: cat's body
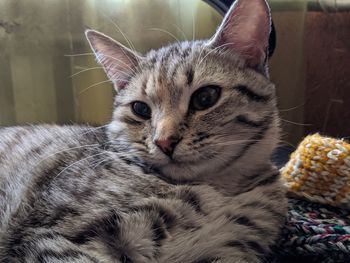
108, 208
170, 179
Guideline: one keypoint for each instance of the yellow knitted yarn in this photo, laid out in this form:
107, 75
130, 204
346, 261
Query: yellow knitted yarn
319, 170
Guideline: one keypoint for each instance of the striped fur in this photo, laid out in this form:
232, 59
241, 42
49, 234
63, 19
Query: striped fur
109, 194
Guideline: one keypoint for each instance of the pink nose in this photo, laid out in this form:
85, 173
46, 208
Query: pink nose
167, 145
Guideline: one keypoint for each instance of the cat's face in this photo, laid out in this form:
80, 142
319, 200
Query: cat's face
193, 107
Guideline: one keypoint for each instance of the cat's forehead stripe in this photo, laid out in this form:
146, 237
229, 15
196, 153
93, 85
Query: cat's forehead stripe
169, 74
190, 76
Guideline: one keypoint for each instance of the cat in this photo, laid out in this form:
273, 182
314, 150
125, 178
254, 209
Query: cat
182, 173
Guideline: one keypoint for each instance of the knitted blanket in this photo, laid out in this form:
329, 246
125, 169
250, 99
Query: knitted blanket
317, 227
314, 233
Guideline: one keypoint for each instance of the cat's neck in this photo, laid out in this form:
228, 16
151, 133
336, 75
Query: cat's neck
238, 178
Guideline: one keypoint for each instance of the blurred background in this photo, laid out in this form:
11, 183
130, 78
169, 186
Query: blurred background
48, 74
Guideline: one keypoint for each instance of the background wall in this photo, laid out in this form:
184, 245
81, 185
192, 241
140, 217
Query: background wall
327, 62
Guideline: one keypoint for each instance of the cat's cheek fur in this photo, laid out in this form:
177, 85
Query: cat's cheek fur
115, 127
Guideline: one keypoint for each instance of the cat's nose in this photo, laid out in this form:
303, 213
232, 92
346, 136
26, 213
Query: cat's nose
168, 145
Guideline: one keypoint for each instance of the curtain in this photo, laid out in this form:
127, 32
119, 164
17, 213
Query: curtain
48, 74
47, 71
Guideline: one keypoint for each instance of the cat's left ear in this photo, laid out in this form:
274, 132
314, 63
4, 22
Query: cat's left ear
118, 61
245, 30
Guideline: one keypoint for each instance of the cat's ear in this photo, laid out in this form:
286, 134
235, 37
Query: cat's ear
246, 29
118, 61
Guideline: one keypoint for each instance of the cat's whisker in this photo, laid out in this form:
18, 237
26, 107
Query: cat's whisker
200, 58
236, 142
81, 54
211, 51
193, 26
164, 31
66, 150
227, 135
222, 157
84, 70
292, 108
98, 56
94, 85
296, 123
282, 142
129, 42
77, 162
181, 31
202, 48
99, 163
94, 129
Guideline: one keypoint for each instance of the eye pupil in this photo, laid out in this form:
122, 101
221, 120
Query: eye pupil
205, 97
141, 109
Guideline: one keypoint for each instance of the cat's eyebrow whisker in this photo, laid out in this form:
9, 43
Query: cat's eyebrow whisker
81, 54
181, 31
130, 44
120, 73
94, 85
127, 39
213, 50
84, 70
71, 165
131, 70
164, 31
98, 56
193, 26
200, 54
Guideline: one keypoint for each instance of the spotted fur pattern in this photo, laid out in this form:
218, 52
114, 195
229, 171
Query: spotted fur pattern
109, 194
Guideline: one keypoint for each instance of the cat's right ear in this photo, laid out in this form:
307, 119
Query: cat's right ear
118, 61
246, 30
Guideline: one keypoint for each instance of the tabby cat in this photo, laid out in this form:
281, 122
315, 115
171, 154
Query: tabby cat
181, 174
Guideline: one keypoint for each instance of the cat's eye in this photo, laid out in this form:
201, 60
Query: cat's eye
141, 109
205, 97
